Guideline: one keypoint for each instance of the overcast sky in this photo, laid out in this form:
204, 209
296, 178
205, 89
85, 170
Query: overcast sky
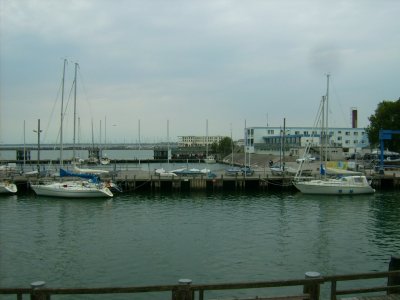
186, 62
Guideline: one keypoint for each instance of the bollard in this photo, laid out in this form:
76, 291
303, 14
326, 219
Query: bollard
36, 293
183, 290
394, 265
312, 288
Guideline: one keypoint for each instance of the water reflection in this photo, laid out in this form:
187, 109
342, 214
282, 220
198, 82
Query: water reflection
147, 239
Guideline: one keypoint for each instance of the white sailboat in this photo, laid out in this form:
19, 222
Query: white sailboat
88, 188
354, 184
104, 160
210, 159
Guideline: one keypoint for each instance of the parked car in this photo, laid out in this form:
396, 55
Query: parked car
247, 171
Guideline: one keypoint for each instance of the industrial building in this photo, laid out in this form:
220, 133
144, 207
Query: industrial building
198, 141
293, 140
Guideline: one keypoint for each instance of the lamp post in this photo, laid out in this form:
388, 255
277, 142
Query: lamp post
38, 131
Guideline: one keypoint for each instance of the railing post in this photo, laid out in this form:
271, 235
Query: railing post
394, 265
183, 290
36, 293
312, 287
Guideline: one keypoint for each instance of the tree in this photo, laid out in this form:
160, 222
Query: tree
225, 146
387, 116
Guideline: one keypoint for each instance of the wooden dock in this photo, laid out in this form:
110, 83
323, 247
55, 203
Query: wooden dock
138, 180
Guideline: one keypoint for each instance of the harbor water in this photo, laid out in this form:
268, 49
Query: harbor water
138, 239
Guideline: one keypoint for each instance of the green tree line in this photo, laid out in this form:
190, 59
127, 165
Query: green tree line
386, 116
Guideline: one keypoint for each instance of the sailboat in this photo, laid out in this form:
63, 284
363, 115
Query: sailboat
210, 159
104, 160
279, 169
232, 170
354, 184
90, 187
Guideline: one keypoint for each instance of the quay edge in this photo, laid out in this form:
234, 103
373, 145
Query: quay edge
136, 180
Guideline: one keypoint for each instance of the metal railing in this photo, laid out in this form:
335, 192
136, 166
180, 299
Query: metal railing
185, 290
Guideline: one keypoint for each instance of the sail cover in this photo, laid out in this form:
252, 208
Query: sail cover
91, 177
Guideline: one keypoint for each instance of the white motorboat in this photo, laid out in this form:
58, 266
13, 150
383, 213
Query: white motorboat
344, 185
105, 160
162, 172
210, 159
7, 187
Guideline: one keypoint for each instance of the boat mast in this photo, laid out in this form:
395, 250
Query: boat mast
206, 138
62, 114
326, 120
168, 142
105, 132
283, 144
231, 146
74, 137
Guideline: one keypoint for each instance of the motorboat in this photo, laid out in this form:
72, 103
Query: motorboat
210, 159
233, 171
162, 172
7, 187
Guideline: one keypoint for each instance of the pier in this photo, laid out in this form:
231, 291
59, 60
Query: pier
136, 180
308, 287
130, 176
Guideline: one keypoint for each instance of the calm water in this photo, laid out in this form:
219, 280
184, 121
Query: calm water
143, 239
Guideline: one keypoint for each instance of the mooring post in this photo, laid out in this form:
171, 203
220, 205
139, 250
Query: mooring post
183, 290
394, 265
36, 293
312, 287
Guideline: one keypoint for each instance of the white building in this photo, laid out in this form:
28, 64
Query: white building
269, 139
198, 141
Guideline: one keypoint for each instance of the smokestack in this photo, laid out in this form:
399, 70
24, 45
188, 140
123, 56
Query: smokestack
354, 117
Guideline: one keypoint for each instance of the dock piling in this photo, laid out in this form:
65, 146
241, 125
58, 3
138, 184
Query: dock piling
183, 291
394, 265
36, 294
312, 288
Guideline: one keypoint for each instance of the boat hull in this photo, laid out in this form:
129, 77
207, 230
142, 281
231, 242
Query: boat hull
71, 191
8, 188
333, 187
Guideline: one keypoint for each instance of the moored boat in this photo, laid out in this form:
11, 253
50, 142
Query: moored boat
7, 187
344, 185
352, 184
88, 187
